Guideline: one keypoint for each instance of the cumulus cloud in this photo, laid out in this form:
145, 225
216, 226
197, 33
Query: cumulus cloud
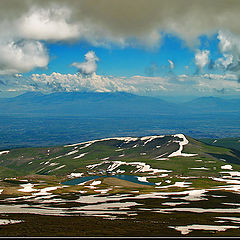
48, 24
201, 59
89, 66
229, 45
21, 56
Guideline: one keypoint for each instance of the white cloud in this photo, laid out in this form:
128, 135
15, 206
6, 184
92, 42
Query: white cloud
89, 66
205, 84
171, 64
201, 58
229, 45
48, 24
21, 56
105, 21
79, 82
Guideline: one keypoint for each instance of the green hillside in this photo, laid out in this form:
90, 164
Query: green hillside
162, 183
146, 157
233, 143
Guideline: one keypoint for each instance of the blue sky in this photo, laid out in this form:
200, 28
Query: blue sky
152, 47
129, 61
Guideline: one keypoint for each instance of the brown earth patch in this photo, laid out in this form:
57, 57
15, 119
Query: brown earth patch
119, 182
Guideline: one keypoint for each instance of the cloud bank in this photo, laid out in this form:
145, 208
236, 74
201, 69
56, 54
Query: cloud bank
203, 84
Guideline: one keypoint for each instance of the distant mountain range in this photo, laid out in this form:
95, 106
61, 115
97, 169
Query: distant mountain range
109, 104
214, 104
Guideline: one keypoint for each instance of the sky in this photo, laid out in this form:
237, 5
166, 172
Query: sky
147, 47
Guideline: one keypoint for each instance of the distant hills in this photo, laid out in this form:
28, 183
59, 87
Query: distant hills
84, 104
214, 104
109, 104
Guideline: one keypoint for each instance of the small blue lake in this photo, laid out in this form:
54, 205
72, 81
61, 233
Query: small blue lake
129, 178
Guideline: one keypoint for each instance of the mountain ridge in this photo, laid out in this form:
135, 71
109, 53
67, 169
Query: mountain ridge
110, 104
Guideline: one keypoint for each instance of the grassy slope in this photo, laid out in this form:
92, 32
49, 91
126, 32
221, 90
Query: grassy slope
233, 143
27, 161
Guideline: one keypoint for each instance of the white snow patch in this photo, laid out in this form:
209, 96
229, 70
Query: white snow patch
72, 152
199, 210
199, 168
176, 184
228, 167
46, 191
89, 143
232, 204
55, 169
234, 219
93, 165
105, 206
125, 139
120, 149
159, 157
149, 138
120, 171
103, 191
82, 191
81, 155
162, 159
174, 203
9, 221
187, 229
90, 187
141, 166
53, 164
4, 152
194, 195
75, 174
27, 188
97, 182
142, 179
181, 144
163, 175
